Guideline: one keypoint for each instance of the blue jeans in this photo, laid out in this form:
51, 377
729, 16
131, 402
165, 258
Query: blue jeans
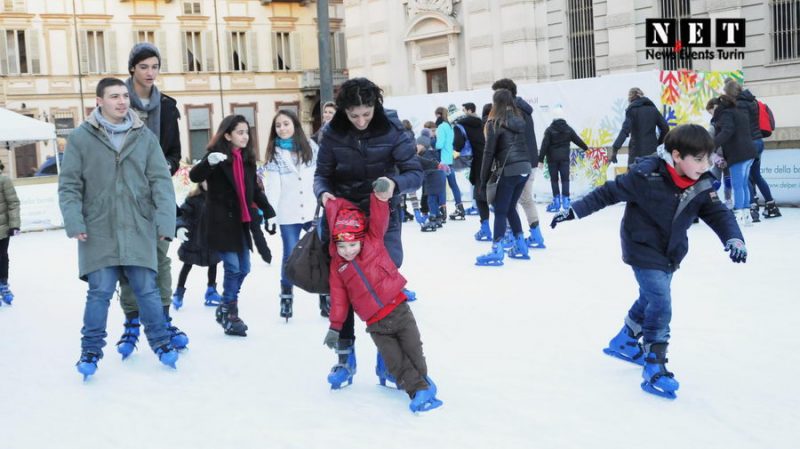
290, 235
509, 189
102, 284
451, 180
653, 310
236, 266
740, 172
434, 201
756, 180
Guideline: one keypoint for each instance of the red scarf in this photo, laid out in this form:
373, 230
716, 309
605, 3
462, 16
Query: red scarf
238, 179
682, 182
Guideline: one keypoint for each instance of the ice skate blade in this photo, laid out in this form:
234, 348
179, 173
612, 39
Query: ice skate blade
489, 263
427, 406
340, 385
519, 256
382, 382
613, 353
649, 388
483, 238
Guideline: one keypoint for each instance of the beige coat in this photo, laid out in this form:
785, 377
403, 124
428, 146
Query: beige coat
9, 207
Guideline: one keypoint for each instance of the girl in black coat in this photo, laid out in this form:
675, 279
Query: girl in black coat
732, 133
191, 230
229, 168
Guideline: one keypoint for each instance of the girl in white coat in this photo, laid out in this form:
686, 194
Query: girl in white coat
291, 162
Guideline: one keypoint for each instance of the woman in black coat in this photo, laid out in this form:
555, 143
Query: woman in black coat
642, 118
555, 147
732, 133
229, 168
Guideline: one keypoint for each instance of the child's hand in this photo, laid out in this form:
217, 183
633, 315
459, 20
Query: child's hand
738, 252
331, 338
564, 215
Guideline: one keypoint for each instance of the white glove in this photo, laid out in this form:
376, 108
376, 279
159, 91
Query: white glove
216, 158
182, 234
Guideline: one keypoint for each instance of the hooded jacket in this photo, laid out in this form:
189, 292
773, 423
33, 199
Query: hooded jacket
530, 133
641, 120
732, 132
371, 281
557, 137
123, 201
506, 147
658, 213
746, 102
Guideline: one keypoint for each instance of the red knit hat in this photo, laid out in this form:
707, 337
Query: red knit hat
350, 226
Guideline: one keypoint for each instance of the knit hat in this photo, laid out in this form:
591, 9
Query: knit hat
558, 113
350, 226
142, 51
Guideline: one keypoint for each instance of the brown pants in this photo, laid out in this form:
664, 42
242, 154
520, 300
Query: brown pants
398, 341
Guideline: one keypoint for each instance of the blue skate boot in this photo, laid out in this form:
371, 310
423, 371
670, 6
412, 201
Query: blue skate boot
555, 205
626, 346
472, 210
87, 365
657, 380
177, 338
536, 240
212, 297
425, 399
127, 343
493, 258
508, 239
520, 248
411, 295
565, 203
5, 293
343, 371
383, 372
484, 234
167, 355
177, 297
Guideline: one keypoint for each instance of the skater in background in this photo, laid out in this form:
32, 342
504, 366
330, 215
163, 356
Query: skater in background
117, 200
642, 118
363, 276
291, 163
434, 184
192, 232
444, 144
506, 155
664, 193
9, 227
555, 148
719, 167
362, 126
229, 168
473, 126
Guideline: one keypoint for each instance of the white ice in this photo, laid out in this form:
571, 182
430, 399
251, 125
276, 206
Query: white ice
515, 351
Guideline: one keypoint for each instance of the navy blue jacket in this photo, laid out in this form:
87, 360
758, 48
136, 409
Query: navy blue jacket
658, 214
350, 161
530, 133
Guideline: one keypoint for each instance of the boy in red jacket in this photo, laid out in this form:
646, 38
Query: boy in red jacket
363, 274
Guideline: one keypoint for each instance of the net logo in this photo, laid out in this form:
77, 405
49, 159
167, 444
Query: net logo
691, 38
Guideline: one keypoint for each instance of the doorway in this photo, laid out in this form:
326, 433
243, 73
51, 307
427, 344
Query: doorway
436, 80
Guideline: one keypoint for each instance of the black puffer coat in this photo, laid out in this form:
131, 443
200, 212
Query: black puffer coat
557, 136
641, 120
505, 147
195, 251
530, 133
473, 125
350, 161
732, 132
746, 102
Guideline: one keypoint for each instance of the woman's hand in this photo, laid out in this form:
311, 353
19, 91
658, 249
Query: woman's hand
325, 197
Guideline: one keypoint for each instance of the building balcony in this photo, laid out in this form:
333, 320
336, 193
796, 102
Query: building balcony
310, 78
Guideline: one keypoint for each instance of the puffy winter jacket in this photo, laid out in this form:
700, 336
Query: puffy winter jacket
371, 281
530, 132
9, 206
658, 213
732, 132
557, 136
506, 147
195, 251
746, 102
641, 120
350, 161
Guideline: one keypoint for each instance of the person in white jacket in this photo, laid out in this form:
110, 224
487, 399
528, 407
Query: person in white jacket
291, 162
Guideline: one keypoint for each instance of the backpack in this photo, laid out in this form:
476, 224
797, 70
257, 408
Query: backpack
766, 121
461, 141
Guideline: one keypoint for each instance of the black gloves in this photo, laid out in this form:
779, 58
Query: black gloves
613, 157
331, 338
564, 215
738, 252
270, 226
13, 231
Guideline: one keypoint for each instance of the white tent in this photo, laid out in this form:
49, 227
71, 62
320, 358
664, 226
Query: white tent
20, 129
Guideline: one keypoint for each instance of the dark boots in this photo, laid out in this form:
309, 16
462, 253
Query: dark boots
228, 318
771, 210
287, 298
459, 214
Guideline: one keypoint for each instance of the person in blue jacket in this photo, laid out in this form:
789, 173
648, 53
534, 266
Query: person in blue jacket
663, 194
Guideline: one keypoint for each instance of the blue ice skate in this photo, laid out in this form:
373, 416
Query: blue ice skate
508, 239
343, 371
565, 203
411, 296
177, 337
167, 355
657, 380
212, 297
555, 205
484, 234
425, 400
626, 346
493, 258
383, 372
87, 365
536, 240
177, 297
5, 293
520, 248
472, 210
127, 343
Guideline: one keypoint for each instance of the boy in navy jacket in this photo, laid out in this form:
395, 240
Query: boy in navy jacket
664, 193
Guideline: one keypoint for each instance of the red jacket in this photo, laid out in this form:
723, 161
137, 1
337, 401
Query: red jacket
371, 281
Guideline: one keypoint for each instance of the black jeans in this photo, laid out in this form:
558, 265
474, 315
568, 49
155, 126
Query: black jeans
4, 259
556, 169
509, 189
187, 267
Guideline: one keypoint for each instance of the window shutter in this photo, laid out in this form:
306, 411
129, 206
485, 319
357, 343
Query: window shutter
161, 41
229, 49
83, 44
3, 53
296, 59
185, 54
210, 51
111, 54
252, 52
341, 51
32, 40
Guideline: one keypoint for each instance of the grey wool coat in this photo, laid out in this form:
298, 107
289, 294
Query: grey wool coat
122, 201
